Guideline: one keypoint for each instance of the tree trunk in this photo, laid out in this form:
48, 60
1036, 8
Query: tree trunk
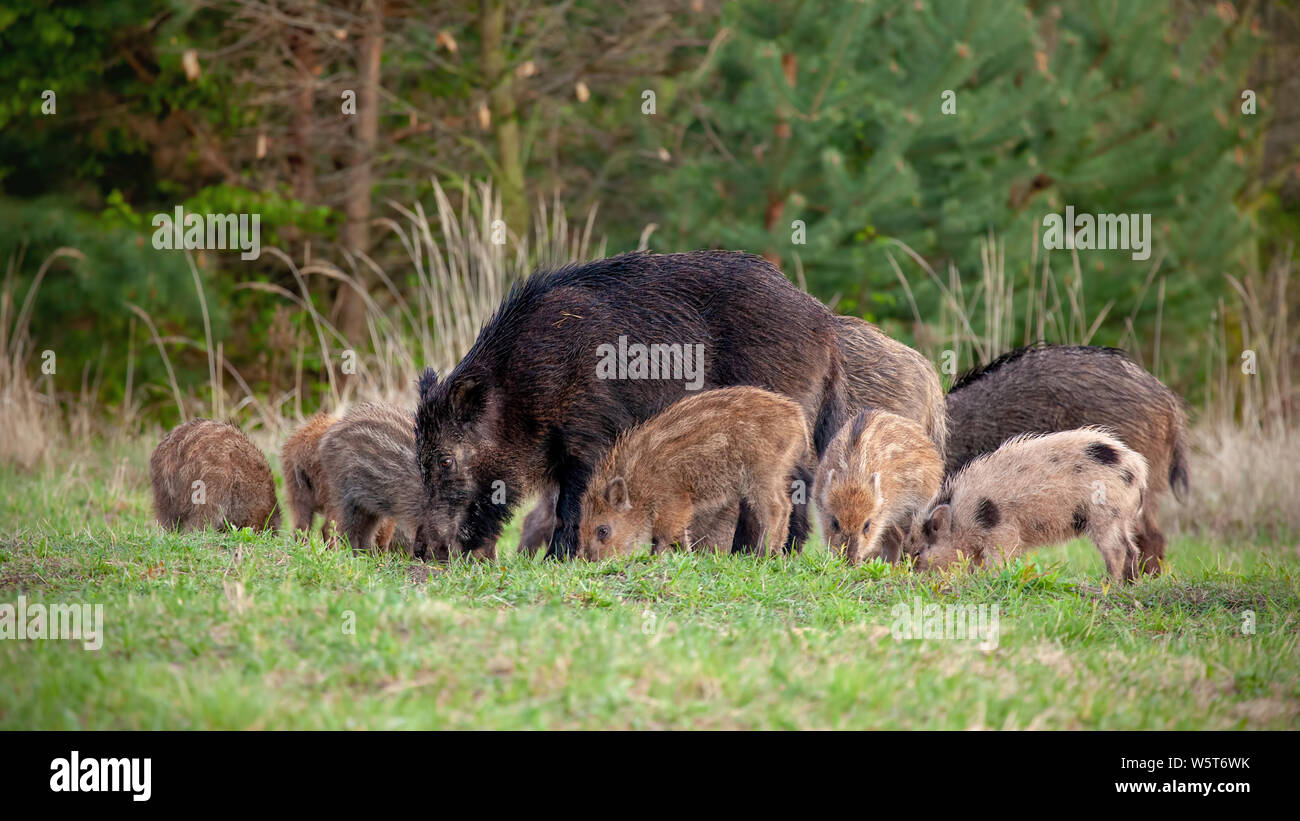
351, 309
505, 119
301, 127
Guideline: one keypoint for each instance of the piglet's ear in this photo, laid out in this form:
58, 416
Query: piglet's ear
939, 519
428, 381
616, 494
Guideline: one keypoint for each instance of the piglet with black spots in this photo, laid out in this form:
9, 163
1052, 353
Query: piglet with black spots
1038, 490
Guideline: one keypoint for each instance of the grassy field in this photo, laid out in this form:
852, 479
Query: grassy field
236, 630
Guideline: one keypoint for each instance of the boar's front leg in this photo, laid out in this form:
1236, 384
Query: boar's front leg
568, 510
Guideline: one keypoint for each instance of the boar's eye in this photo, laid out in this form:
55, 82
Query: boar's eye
835, 523
602, 533
866, 527
447, 463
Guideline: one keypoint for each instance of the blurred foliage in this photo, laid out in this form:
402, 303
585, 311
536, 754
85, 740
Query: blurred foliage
764, 113
832, 114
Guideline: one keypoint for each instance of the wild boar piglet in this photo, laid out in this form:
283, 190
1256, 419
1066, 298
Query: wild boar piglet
207, 474
1038, 490
881, 373
305, 481
701, 453
368, 458
876, 473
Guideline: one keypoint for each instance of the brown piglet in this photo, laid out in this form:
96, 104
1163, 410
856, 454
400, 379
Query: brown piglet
876, 473
305, 481
207, 474
699, 454
368, 459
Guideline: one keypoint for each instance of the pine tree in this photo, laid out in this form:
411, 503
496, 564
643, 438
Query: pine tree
937, 123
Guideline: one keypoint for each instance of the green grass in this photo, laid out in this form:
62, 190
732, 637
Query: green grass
236, 630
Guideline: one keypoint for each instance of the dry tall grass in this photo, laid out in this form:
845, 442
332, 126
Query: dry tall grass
463, 264
1055, 308
29, 417
1246, 441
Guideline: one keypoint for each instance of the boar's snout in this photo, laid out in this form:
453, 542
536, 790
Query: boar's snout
430, 547
853, 550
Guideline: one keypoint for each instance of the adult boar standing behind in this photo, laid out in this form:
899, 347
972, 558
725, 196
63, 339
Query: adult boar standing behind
879, 373
574, 357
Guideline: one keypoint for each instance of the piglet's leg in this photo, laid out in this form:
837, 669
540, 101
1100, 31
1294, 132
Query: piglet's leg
1119, 552
775, 515
670, 526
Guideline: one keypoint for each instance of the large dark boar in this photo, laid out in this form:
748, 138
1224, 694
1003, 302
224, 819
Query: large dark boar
1049, 388
207, 474
879, 372
576, 356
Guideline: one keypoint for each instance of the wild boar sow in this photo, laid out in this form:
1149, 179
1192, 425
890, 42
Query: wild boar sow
1035, 491
878, 471
207, 474
700, 454
369, 459
1046, 388
574, 357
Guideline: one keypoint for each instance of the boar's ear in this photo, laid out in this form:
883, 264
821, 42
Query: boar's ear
468, 397
616, 494
428, 381
938, 519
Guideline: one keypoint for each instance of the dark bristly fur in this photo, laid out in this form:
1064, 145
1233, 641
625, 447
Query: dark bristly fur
237, 485
1048, 388
525, 406
369, 457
